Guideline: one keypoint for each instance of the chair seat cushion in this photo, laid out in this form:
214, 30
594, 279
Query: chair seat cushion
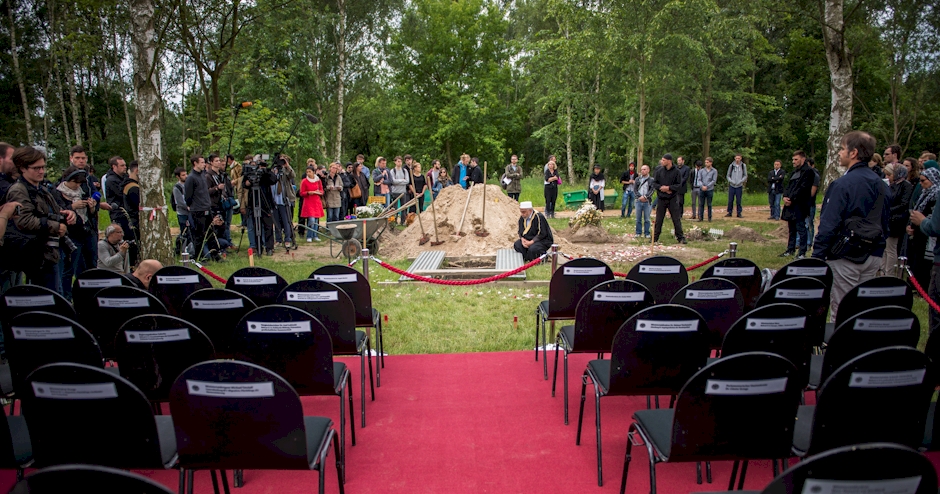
830, 328
566, 335
167, 435
543, 309
815, 371
600, 373
316, 429
803, 429
112, 369
339, 369
6, 379
657, 424
22, 448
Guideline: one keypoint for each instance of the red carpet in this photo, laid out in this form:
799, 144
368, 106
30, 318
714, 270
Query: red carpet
483, 422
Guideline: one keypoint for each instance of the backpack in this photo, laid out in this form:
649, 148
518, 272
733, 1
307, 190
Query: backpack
861, 235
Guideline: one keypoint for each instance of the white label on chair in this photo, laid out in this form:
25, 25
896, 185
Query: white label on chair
339, 278
123, 303
30, 301
572, 271
230, 390
798, 294
907, 485
49, 333
178, 280
103, 283
162, 336
885, 291
884, 324
331, 296
709, 294
257, 280
807, 270
619, 296
723, 271
652, 326
886, 379
756, 387
653, 269
776, 323
56, 391
279, 327
232, 303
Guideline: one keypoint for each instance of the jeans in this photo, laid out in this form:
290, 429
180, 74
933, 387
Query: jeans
333, 214
810, 226
626, 204
312, 232
643, 210
250, 222
284, 227
228, 225
797, 233
512, 195
774, 199
79, 262
48, 276
705, 196
735, 193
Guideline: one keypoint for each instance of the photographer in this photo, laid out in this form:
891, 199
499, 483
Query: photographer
284, 194
84, 236
258, 181
112, 250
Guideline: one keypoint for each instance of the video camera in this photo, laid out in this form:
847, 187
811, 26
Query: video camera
252, 171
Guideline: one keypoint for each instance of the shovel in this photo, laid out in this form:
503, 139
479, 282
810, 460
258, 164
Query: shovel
434, 216
464, 216
424, 236
482, 231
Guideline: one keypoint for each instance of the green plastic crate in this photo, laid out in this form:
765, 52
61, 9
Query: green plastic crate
574, 200
610, 198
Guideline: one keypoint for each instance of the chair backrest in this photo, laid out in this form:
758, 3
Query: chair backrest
216, 311
354, 284
237, 415
872, 329
774, 328
80, 414
28, 298
66, 478
876, 292
657, 350
261, 285
571, 281
663, 276
718, 300
291, 343
7, 452
808, 293
810, 267
152, 350
879, 396
742, 272
871, 467
172, 285
603, 309
737, 407
34, 339
89, 283
113, 306
330, 305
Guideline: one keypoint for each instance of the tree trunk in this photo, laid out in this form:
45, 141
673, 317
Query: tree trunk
155, 238
73, 102
56, 66
597, 111
707, 133
45, 110
19, 75
641, 140
118, 56
841, 84
568, 144
340, 78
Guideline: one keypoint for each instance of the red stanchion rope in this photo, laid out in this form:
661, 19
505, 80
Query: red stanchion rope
690, 268
923, 293
210, 273
460, 282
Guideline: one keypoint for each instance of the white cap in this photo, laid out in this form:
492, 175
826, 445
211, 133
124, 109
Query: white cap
525, 205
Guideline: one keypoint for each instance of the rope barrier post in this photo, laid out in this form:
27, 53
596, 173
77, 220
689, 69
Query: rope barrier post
733, 249
554, 255
901, 267
365, 263
185, 259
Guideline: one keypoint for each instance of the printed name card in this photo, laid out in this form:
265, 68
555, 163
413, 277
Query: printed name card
331, 296
652, 269
257, 280
49, 333
792, 293
339, 278
619, 296
230, 390
907, 485
884, 324
594, 271
123, 303
279, 327
231, 303
709, 294
162, 336
178, 280
887, 291
807, 270
886, 379
724, 271
102, 283
776, 324
30, 301
649, 325
739, 388
56, 391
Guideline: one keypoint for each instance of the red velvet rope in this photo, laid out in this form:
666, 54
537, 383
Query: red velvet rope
460, 282
690, 268
211, 274
923, 293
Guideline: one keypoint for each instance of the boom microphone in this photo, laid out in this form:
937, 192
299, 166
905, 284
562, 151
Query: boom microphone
312, 119
243, 104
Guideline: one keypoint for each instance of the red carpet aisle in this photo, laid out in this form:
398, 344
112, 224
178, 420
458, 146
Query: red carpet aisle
481, 422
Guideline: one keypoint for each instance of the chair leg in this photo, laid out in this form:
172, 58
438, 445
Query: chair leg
566, 386
545, 350
182, 489
555, 369
342, 419
656, 399
322, 479
649, 405
362, 387
672, 401
649, 449
776, 470
708, 472
352, 413
369, 359
626, 459
734, 475
12, 407
743, 473
238, 478
215, 482
584, 379
698, 473
190, 480
224, 476
597, 424
537, 334
340, 466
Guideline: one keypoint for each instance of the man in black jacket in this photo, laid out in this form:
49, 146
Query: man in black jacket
474, 173
775, 189
112, 189
684, 173
797, 199
196, 195
667, 181
265, 205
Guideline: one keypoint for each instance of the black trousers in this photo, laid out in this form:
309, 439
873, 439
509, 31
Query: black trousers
199, 223
533, 252
551, 195
797, 224
675, 211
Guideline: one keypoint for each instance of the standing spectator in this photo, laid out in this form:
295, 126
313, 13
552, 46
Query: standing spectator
551, 189
737, 179
333, 185
628, 179
915, 168
596, 185
775, 189
892, 155
684, 173
796, 201
84, 239
91, 187
130, 189
361, 178
8, 176
400, 181
514, 175
380, 180
459, 174
112, 189
346, 173
811, 216
668, 183
443, 180
283, 193
420, 185
361, 160
196, 197
877, 165
930, 227
705, 180
432, 176
854, 223
644, 193
693, 175
918, 256
112, 250
311, 190
178, 199
901, 191
474, 173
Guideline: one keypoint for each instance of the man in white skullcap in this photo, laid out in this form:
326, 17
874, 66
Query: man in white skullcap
535, 236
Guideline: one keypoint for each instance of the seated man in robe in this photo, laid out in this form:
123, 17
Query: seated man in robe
535, 236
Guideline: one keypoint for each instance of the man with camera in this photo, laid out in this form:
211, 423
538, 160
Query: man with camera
258, 181
284, 195
113, 249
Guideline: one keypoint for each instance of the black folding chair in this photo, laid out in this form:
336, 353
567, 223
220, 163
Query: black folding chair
776, 328
79, 414
16, 452
88, 284
261, 285
739, 407
296, 346
331, 306
808, 293
172, 285
29, 298
742, 272
654, 353
879, 396
810, 267
883, 291
598, 316
151, 350
113, 307
872, 329
568, 284
237, 415
68, 478
718, 300
216, 311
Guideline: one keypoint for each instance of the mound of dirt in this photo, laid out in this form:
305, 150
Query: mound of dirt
782, 231
588, 234
744, 234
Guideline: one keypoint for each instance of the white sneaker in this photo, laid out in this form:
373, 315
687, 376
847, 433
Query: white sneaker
309, 240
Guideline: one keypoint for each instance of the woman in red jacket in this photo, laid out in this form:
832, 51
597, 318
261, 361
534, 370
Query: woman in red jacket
311, 189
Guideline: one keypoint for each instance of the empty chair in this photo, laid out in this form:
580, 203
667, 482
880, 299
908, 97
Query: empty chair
879, 396
654, 353
600, 313
808, 267
237, 415
774, 328
663, 276
718, 300
16, 452
569, 282
742, 272
113, 307
28, 298
808, 293
66, 478
172, 285
89, 283
883, 291
216, 312
261, 285
738, 407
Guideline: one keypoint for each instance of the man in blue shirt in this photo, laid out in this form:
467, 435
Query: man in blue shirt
459, 175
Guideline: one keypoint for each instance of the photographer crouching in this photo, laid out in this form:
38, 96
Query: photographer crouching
258, 181
112, 250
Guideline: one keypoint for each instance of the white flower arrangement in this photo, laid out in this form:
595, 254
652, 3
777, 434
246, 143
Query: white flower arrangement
587, 214
369, 210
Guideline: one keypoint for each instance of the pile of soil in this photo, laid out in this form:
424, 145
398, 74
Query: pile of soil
588, 234
744, 234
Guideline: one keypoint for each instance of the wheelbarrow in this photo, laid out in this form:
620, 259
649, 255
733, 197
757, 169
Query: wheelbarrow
348, 233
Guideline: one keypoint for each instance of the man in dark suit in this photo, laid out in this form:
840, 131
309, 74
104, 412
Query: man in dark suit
797, 199
535, 236
775, 189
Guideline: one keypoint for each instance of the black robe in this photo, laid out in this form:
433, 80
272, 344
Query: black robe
539, 231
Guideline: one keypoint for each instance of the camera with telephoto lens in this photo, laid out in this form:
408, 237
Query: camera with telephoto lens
64, 240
